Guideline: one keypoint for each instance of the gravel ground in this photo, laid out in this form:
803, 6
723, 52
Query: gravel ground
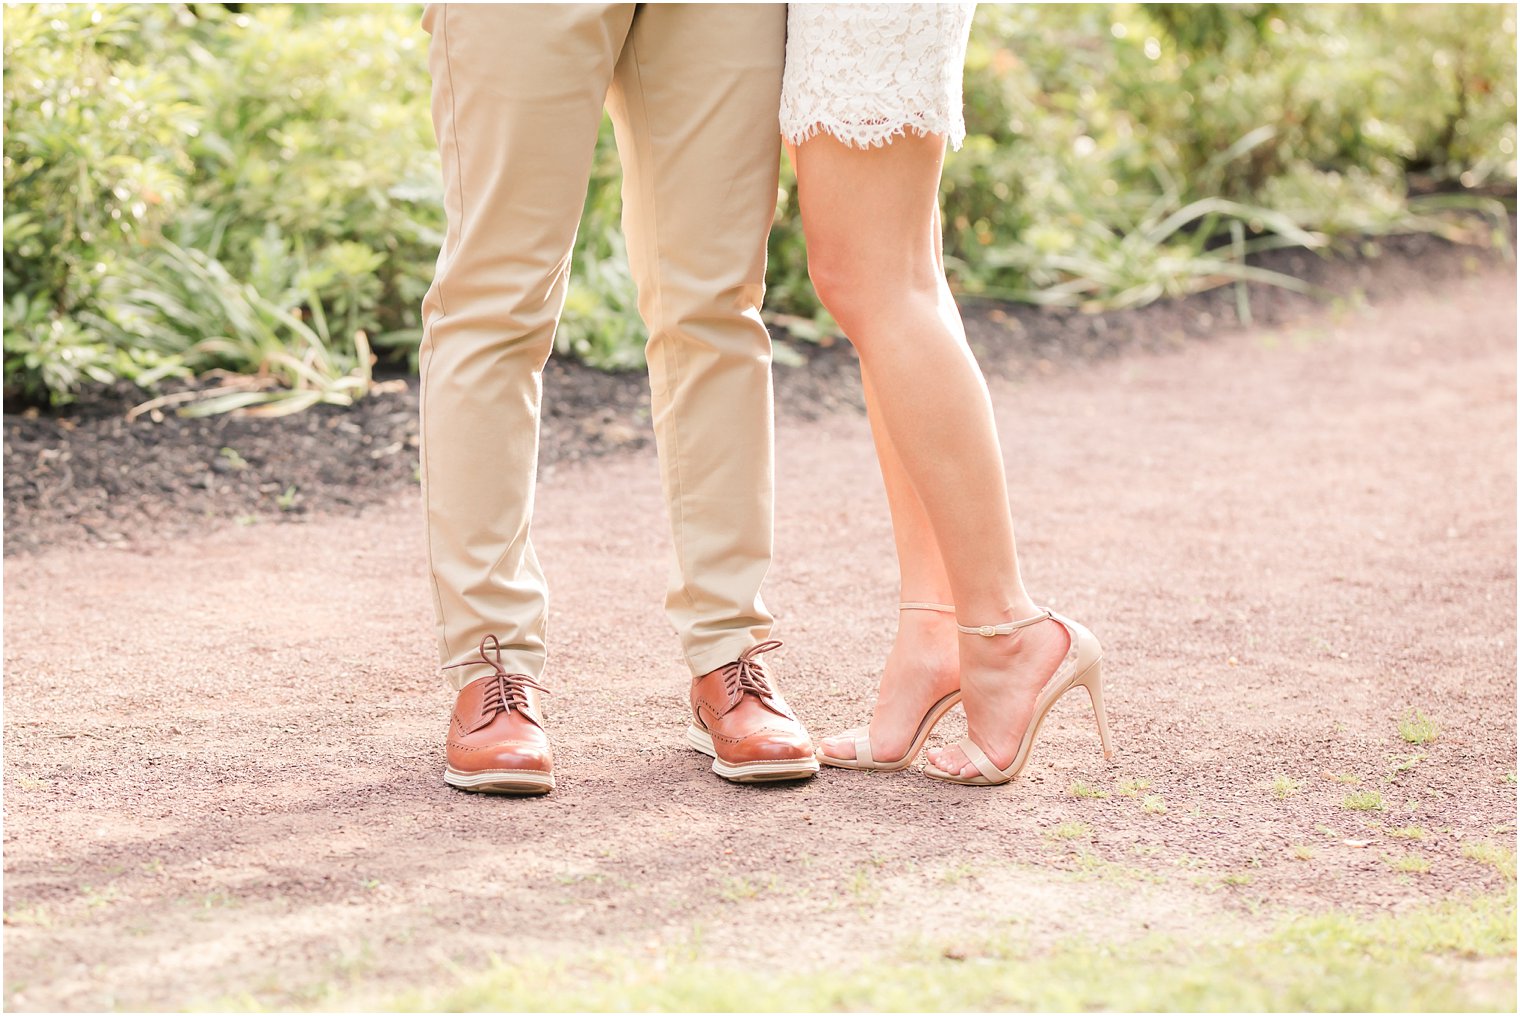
223, 750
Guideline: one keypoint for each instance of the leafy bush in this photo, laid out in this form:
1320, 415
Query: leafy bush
1090, 125
165, 168
191, 189
317, 138
95, 164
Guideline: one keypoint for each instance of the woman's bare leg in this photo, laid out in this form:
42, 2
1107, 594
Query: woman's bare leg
924, 664
873, 252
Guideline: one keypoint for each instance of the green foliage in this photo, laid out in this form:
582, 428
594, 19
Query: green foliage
95, 164
185, 300
185, 191
273, 173
1119, 153
316, 138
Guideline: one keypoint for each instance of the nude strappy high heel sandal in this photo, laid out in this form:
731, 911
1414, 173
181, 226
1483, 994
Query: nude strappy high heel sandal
1082, 666
864, 759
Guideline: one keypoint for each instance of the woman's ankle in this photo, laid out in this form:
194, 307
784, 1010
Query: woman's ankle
1018, 609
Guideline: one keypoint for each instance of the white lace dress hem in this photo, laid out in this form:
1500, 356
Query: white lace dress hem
869, 73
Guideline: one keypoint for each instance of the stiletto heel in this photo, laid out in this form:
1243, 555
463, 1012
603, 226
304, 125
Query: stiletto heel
1082, 665
864, 759
1092, 680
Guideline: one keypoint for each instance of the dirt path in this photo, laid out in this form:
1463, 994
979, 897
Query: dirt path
222, 755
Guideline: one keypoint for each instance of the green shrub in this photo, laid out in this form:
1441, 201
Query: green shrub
317, 138
271, 174
1088, 122
95, 165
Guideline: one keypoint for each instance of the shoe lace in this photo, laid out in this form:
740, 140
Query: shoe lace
505, 691
747, 673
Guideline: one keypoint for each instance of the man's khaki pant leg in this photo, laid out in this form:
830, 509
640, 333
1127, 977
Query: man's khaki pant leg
694, 104
518, 92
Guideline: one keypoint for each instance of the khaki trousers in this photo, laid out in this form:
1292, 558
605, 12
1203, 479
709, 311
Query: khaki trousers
518, 94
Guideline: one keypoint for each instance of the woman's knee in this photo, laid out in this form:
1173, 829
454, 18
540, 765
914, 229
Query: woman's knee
857, 287
838, 283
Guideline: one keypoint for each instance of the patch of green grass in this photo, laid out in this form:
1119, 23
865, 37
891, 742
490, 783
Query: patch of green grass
1502, 859
1350, 779
1301, 852
34, 914
1285, 786
1235, 878
1089, 864
1154, 804
741, 888
1417, 728
1069, 831
1364, 800
95, 898
861, 885
1082, 791
1133, 787
1403, 765
216, 899
1409, 832
1411, 864
959, 873
1331, 961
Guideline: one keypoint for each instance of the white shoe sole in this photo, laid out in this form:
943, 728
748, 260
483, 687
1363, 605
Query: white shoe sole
501, 781
751, 772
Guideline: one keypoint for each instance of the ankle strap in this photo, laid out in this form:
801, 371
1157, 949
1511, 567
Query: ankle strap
989, 630
941, 607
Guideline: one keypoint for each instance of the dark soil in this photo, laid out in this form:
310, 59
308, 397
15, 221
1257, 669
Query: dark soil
89, 474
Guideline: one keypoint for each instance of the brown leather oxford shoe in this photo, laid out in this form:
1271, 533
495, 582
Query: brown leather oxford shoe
740, 720
497, 743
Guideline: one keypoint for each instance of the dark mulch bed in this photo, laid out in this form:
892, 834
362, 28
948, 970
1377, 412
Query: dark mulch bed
90, 474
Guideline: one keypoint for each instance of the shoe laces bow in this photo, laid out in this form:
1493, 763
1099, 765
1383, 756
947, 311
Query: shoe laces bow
504, 691
747, 675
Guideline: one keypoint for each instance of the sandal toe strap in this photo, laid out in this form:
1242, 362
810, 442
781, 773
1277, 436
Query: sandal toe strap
979, 758
863, 748
860, 736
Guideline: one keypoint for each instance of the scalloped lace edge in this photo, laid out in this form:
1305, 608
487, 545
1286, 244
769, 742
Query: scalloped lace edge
873, 135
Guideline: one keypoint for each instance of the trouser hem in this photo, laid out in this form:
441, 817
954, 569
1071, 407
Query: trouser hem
513, 662
725, 652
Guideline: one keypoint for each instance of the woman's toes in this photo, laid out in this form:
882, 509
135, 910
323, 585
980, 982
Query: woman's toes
839, 747
950, 760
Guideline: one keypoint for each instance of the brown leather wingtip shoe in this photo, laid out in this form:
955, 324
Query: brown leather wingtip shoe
497, 743
744, 724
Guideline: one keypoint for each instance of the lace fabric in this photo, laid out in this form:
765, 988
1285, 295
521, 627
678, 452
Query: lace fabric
867, 73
